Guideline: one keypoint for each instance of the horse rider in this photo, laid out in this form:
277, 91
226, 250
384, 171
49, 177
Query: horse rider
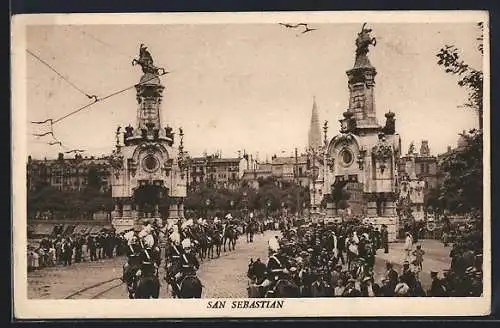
188, 265
148, 254
276, 266
173, 253
133, 264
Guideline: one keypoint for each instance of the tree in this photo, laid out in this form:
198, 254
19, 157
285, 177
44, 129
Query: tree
433, 199
462, 187
469, 77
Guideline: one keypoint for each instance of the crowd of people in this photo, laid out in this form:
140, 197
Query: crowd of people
337, 260
305, 260
75, 248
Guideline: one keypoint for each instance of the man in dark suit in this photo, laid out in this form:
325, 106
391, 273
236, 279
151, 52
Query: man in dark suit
385, 238
438, 289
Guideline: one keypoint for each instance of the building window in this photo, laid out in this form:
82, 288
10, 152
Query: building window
422, 168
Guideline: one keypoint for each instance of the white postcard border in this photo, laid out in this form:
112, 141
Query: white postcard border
25, 308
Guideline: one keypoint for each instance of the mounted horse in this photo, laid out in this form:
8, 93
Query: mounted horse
230, 234
190, 287
256, 274
148, 285
215, 240
129, 277
201, 233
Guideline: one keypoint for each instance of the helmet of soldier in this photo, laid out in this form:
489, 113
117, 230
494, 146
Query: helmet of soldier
274, 245
186, 243
175, 237
149, 241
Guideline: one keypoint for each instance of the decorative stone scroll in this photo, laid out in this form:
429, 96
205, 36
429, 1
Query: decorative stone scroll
382, 153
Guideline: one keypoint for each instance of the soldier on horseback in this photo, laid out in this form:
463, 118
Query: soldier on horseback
133, 264
276, 266
189, 265
173, 254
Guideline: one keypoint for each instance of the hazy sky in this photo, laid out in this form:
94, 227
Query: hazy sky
239, 86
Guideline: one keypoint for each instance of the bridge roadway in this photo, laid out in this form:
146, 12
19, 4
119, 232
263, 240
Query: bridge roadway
223, 277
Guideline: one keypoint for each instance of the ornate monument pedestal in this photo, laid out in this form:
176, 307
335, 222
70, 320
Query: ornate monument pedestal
145, 166
365, 153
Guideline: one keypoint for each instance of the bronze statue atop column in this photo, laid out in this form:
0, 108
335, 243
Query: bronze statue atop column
146, 62
364, 40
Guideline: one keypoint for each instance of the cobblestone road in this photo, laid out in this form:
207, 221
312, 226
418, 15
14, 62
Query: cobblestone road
224, 277
221, 277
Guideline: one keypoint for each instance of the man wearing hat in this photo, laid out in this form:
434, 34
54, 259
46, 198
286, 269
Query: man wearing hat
276, 266
408, 276
438, 289
351, 290
173, 253
402, 289
188, 265
391, 276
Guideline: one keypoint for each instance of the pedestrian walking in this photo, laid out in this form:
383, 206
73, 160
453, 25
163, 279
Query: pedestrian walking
385, 238
408, 247
419, 256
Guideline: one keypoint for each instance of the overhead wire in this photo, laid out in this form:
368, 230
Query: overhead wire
60, 75
96, 99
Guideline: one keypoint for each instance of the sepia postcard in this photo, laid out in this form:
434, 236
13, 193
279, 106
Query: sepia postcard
278, 164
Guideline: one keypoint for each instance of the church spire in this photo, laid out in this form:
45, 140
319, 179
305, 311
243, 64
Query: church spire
314, 129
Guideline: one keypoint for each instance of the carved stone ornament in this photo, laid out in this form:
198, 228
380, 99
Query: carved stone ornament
132, 165
345, 139
382, 152
331, 163
167, 166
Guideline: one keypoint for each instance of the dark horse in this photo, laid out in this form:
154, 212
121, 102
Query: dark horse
231, 235
199, 237
129, 274
149, 284
190, 287
256, 274
215, 240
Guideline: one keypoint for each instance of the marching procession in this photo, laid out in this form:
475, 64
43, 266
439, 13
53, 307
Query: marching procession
304, 260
